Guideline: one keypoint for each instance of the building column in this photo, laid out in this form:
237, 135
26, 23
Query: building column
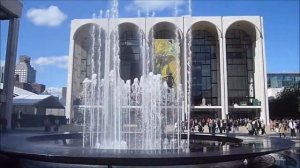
10, 63
223, 73
265, 101
222, 86
185, 60
69, 112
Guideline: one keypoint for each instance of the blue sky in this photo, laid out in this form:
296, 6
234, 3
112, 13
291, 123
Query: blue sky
48, 41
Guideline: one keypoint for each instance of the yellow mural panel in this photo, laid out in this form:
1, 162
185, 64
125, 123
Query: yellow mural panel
167, 59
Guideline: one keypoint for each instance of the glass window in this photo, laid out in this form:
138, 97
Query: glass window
130, 55
239, 66
204, 68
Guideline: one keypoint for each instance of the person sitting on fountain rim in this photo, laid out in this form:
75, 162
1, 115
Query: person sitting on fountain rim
170, 80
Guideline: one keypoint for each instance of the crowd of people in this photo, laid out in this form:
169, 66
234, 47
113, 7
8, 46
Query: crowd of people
254, 127
283, 126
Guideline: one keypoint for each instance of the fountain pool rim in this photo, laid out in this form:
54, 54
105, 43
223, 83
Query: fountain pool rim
32, 150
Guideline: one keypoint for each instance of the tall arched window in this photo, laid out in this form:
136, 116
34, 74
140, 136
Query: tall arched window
88, 55
130, 52
204, 68
167, 50
240, 68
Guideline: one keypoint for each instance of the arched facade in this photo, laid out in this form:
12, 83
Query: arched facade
167, 31
205, 64
245, 76
240, 66
88, 48
226, 57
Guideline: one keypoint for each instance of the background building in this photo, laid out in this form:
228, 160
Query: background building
25, 76
278, 80
227, 60
34, 108
32, 87
25, 72
63, 96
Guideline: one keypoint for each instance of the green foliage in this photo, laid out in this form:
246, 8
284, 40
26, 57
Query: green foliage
286, 104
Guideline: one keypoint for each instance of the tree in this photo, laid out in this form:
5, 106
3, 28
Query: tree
286, 104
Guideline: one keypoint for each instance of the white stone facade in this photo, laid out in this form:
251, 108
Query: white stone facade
218, 27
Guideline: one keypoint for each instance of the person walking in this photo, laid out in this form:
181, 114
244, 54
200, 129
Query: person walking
213, 129
221, 126
228, 127
256, 127
210, 125
263, 128
250, 128
47, 124
56, 125
292, 126
281, 129
272, 126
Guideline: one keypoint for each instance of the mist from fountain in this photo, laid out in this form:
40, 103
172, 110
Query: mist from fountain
138, 114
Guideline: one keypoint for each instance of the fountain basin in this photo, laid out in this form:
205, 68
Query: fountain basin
203, 149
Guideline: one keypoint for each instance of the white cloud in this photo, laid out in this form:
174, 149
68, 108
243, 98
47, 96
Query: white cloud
57, 61
153, 5
51, 16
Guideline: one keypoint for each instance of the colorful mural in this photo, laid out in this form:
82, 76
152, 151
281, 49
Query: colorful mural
167, 59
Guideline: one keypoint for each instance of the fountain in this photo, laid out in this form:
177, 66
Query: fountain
138, 121
138, 114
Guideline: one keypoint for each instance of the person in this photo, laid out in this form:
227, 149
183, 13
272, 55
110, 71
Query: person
263, 128
182, 126
223, 126
276, 126
176, 126
235, 126
170, 80
255, 127
250, 128
56, 125
258, 126
228, 127
219, 125
47, 124
292, 126
272, 126
210, 126
281, 129
19, 119
213, 128
200, 128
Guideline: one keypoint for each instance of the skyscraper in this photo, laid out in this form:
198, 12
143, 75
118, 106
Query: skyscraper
24, 70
